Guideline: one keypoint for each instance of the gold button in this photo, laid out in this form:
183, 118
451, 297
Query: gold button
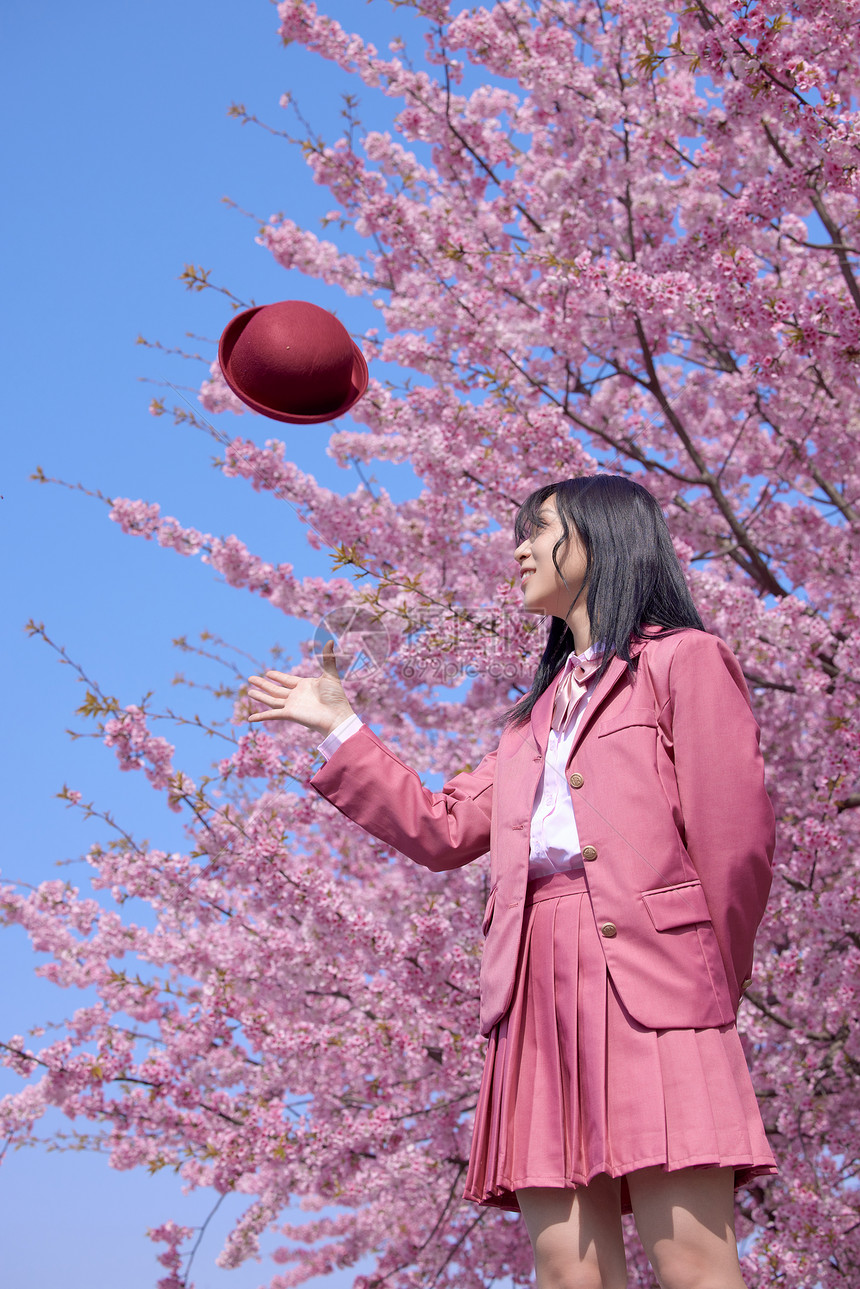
609, 929
746, 984
576, 780
589, 852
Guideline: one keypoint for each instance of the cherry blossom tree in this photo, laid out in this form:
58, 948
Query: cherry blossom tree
598, 235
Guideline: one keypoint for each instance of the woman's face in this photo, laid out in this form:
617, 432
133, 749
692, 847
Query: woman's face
543, 590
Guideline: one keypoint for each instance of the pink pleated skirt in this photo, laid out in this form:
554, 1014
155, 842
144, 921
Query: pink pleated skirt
574, 1087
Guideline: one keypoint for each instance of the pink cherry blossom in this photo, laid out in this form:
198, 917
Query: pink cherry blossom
592, 237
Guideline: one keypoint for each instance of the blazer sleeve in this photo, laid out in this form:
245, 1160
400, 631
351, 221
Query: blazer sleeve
373, 787
727, 815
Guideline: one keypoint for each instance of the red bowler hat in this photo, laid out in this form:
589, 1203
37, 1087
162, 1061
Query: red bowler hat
292, 361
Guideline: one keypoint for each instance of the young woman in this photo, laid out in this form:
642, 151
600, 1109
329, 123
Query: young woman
631, 839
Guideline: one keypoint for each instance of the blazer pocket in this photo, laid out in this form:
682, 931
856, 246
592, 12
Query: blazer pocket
488, 912
675, 906
624, 720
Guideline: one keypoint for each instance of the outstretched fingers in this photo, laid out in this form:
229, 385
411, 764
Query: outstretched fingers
270, 692
271, 686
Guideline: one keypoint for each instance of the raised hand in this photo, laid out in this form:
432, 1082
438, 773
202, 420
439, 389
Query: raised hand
317, 702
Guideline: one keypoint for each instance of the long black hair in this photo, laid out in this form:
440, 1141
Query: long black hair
633, 577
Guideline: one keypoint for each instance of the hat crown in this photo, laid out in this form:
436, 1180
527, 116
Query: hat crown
292, 358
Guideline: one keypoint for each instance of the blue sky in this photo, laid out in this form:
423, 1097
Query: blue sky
118, 153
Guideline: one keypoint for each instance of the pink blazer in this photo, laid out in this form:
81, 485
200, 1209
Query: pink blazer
676, 827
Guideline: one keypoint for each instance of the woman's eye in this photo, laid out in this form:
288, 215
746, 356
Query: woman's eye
530, 531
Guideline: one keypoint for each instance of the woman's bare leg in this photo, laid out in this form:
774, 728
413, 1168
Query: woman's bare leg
685, 1221
576, 1235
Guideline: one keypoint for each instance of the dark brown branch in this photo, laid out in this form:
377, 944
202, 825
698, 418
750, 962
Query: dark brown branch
826, 218
753, 563
118, 1078
838, 246
757, 682
472, 153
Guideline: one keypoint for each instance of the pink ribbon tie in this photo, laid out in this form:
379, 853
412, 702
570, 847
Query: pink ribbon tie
571, 688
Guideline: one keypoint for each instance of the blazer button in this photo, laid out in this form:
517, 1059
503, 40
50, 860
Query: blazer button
589, 852
746, 984
610, 930
576, 780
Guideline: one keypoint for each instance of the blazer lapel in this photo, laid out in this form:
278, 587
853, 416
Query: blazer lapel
605, 685
541, 717
543, 708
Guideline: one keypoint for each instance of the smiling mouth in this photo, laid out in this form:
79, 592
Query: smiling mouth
526, 573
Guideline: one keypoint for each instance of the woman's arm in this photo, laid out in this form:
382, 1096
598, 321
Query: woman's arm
727, 815
373, 787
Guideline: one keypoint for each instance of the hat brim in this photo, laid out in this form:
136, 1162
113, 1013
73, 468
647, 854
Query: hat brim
359, 378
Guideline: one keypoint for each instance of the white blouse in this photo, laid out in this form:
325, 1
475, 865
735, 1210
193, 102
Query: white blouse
554, 837
554, 844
